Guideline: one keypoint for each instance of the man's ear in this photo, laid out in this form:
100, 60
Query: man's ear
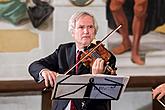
95, 31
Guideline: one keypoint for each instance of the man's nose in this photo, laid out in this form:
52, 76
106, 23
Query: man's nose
86, 30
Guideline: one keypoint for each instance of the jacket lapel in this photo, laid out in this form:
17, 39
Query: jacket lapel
71, 53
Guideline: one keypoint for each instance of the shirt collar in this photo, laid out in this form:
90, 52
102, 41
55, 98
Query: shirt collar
77, 50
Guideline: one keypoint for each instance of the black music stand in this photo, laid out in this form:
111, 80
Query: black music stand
89, 87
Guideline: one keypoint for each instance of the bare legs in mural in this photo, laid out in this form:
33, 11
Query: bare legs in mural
140, 8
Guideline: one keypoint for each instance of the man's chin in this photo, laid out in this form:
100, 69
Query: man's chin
86, 44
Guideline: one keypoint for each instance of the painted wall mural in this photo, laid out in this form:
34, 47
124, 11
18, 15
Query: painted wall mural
18, 40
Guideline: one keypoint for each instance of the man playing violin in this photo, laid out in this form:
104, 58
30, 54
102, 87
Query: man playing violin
83, 28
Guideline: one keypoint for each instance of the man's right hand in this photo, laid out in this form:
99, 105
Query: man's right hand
49, 77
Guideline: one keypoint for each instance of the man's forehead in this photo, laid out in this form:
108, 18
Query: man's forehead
85, 22
80, 18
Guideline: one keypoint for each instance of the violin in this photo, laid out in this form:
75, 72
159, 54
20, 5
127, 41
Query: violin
99, 52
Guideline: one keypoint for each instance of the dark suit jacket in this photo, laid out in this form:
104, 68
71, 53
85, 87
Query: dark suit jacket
60, 61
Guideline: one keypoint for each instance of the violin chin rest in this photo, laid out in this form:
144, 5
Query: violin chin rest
94, 41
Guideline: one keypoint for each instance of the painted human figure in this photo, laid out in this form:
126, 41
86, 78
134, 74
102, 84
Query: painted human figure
140, 9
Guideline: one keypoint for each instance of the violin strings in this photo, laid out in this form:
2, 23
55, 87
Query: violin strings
96, 55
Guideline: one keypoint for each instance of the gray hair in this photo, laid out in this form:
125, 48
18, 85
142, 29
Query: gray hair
75, 17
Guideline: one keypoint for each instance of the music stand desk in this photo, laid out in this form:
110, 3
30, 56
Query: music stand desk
89, 87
